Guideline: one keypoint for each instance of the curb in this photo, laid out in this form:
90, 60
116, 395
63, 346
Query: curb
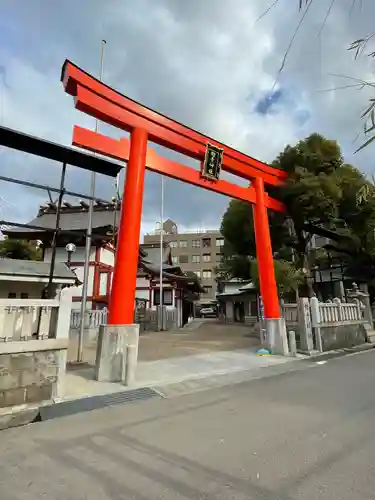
338, 353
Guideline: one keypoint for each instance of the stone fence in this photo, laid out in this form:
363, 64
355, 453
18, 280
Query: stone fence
149, 320
34, 335
327, 325
26, 319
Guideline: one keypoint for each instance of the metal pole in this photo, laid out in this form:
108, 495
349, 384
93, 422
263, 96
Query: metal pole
88, 237
47, 291
55, 234
161, 254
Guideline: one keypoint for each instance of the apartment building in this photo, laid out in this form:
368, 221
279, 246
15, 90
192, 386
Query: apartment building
196, 251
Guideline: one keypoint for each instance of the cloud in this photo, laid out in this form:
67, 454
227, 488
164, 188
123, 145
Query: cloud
204, 63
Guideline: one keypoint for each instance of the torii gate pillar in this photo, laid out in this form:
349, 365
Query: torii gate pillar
274, 324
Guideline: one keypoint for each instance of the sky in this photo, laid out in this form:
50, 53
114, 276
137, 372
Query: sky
211, 64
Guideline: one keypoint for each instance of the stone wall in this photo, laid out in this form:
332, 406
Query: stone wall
29, 377
341, 336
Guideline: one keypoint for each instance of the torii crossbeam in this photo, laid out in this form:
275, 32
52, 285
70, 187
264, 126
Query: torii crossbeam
104, 103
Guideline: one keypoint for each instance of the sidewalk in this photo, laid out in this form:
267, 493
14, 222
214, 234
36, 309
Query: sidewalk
165, 372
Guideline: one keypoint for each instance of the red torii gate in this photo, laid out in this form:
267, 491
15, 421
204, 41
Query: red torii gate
102, 102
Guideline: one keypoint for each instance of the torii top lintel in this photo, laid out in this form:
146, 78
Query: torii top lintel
104, 103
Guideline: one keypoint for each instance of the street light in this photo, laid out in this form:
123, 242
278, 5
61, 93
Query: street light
70, 248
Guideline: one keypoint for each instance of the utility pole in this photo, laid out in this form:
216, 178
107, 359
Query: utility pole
88, 235
161, 254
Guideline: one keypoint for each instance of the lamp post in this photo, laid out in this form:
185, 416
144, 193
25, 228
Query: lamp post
70, 248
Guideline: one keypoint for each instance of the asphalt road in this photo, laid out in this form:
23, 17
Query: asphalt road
306, 434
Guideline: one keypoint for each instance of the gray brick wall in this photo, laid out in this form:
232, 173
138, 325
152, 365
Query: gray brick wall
27, 377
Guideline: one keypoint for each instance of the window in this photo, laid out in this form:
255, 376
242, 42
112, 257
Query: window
196, 244
12, 295
184, 259
206, 242
208, 290
183, 244
24, 295
174, 259
198, 273
173, 244
219, 256
167, 297
219, 242
206, 257
207, 273
195, 259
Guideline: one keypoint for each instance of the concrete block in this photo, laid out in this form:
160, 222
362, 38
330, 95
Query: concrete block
36, 394
113, 364
5, 365
18, 416
59, 387
369, 331
23, 361
45, 358
12, 397
38, 377
9, 380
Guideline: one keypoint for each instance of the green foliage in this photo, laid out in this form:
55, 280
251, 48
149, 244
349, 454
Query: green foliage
323, 196
19, 249
288, 278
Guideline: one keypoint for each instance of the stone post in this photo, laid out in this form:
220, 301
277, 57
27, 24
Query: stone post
366, 300
307, 342
315, 322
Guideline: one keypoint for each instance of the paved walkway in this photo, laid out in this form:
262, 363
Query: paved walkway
202, 336
305, 435
162, 372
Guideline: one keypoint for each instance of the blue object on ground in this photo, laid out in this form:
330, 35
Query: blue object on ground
263, 352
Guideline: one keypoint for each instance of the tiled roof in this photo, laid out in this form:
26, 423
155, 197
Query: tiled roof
15, 267
73, 219
152, 252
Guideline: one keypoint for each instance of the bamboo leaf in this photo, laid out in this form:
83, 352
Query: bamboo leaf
369, 141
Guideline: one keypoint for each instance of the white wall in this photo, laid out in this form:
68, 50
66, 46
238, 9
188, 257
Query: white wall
107, 257
142, 294
62, 255
77, 305
143, 282
79, 272
232, 287
33, 289
103, 283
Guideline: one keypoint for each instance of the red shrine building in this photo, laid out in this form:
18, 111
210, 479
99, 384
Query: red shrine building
179, 290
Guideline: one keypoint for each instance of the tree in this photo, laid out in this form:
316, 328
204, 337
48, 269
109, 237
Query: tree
288, 278
311, 197
19, 249
323, 196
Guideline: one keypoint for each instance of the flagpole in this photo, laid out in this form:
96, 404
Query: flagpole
161, 254
88, 235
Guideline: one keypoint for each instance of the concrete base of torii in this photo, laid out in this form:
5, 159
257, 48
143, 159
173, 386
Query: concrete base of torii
276, 336
117, 353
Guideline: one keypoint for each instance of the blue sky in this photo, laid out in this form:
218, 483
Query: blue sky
218, 81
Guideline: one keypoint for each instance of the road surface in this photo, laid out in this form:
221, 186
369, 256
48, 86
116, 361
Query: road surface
306, 434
